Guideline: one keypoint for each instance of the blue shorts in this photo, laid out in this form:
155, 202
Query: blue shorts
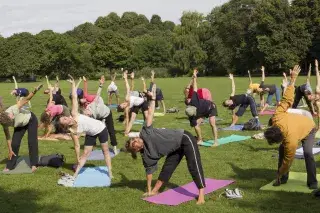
269, 98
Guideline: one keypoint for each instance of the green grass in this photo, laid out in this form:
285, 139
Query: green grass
250, 163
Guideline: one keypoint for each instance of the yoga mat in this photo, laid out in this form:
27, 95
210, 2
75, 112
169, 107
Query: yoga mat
140, 122
23, 167
93, 177
181, 194
133, 134
158, 114
225, 140
237, 127
268, 112
299, 152
113, 106
297, 183
98, 154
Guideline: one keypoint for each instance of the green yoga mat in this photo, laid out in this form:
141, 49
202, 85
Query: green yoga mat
229, 139
297, 183
23, 167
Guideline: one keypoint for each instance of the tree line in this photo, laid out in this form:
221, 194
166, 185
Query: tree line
237, 36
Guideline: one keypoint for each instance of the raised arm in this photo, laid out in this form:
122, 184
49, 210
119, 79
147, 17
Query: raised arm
144, 85
56, 85
250, 80
233, 86
309, 76
101, 81
152, 76
48, 83
78, 84
132, 81
85, 87
15, 82
318, 76
22, 102
288, 96
50, 96
194, 82
74, 100
125, 76
152, 105
284, 82
8, 138
263, 74
113, 77
76, 143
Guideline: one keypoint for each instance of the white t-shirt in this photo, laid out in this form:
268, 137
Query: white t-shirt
21, 116
300, 112
112, 87
89, 126
135, 101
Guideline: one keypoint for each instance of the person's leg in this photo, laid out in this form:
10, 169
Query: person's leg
109, 98
307, 144
212, 121
191, 151
103, 138
297, 97
110, 126
278, 95
284, 177
117, 97
15, 145
253, 107
269, 100
86, 153
33, 141
169, 166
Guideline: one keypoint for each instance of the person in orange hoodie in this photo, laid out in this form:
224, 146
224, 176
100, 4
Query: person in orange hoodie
289, 129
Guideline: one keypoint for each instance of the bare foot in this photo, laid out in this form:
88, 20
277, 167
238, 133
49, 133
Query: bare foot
215, 145
200, 201
34, 168
5, 170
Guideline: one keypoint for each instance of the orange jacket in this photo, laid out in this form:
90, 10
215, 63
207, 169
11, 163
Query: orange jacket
294, 128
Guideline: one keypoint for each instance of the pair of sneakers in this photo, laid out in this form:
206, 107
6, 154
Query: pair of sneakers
233, 193
66, 180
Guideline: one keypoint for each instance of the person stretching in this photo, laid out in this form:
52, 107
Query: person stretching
197, 109
270, 89
289, 129
93, 129
153, 144
98, 110
22, 120
20, 93
159, 95
87, 98
57, 97
113, 90
48, 117
203, 93
132, 105
253, 87
243, 101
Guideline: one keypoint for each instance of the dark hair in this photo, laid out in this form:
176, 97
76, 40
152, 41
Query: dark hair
45, 118
307, 92
224, 104
273, 135
127, 146
119, 109
270, 122
121, 118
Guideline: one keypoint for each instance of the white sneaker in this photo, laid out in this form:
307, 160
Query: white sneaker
66, 181
237, 192
115, 151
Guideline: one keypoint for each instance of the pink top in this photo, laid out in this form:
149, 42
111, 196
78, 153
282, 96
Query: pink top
203, 93
54, 110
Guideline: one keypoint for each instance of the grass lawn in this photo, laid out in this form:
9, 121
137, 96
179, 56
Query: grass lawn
251, 163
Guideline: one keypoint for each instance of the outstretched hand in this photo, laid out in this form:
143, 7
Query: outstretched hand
84, 78
284, 74
231, 76
71, 79
125, 74
132, 75
142, 78
195, 73
102, 79
262, 68
295, 72
11, 153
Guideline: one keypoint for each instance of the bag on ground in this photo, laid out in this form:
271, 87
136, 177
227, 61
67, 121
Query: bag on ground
54, 160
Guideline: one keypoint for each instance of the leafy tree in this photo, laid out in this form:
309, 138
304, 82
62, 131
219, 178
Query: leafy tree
111, 22
86, 33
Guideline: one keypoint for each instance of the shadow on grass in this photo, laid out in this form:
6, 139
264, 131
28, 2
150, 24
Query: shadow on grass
253, 173
137, 184
257, 149
25, 201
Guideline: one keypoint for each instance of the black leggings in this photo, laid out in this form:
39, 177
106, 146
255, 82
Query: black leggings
110, 126
18, 134
297, 98
189, 148
249, 102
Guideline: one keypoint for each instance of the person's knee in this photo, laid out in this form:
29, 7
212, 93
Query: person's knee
307, 154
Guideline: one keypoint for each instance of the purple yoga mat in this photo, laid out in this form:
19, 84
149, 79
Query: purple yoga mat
181, 194
268, 112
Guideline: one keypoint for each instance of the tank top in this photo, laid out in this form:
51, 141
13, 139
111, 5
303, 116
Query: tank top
135, 101
89, 126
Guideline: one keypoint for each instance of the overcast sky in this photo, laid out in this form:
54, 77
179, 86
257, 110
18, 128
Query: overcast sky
62, 15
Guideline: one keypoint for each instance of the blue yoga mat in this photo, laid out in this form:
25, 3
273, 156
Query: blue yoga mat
229, 139
141, 122
93, 177
233, 128
98, 154
113, 106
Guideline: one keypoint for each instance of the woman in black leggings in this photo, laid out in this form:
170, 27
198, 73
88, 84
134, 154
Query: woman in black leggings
155, 143
22, 120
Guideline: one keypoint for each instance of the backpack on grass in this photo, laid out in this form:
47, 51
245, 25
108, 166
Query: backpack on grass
54, 160
252, 124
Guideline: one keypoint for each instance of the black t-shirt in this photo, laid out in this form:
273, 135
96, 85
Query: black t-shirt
158, 143
272, 87
238, 100
203, 108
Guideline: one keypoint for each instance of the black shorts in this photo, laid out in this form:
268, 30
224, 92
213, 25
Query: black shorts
213, 111
159, 95
91, 140
144, 107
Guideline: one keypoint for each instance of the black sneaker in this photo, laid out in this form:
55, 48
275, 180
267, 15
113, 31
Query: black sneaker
313, 186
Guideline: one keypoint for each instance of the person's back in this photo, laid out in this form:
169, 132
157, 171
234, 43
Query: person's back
89, 125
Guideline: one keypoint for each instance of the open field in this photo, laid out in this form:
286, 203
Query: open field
251, 163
